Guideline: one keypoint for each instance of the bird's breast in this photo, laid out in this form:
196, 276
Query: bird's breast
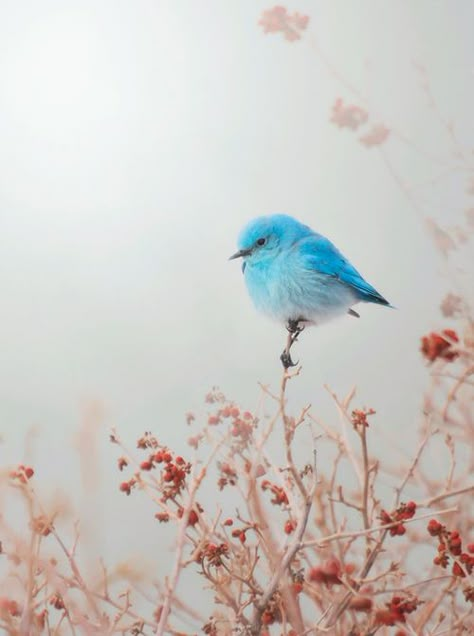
272, 287
286, 289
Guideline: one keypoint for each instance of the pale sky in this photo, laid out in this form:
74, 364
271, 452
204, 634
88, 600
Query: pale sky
136, 140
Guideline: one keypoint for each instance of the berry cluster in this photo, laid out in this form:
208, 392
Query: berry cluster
348, 115
41, 525
450, 546
210, 627
440, 345
214, 396
122, 462
298, 582
401, 514
174, 468
22, 473
147, 441
290, 526
272, 612
194, 441
193, 516
359, 417
228, 475
173, 474
57, 601
396, 610
242, 424
239, 533
279, 495
9, 607
126, 486
213, 553
329, 573
278, 19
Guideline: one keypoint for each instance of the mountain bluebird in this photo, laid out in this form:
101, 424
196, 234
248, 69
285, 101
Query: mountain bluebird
297, 276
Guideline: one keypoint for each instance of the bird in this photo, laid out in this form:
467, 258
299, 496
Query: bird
298, 277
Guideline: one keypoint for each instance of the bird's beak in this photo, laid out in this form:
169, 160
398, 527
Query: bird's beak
240, 254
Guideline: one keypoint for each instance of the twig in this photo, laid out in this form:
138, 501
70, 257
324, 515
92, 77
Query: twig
454, 389
362, 533
180, 541
296, 543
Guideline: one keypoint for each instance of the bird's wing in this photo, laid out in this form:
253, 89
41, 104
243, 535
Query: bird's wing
320, 255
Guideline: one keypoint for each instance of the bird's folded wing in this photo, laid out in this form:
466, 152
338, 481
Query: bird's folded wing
320, 255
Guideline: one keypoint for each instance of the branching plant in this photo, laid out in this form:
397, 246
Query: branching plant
311, 527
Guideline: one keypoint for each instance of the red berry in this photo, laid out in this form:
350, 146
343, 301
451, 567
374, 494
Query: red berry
192, 518
458, 571
316, 575
434, 527
289, 526
125, 487
349, 568
267, 618
361, 604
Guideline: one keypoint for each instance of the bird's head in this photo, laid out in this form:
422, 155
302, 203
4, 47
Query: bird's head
264, 237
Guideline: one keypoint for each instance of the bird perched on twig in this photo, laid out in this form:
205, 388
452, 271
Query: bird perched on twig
297, 276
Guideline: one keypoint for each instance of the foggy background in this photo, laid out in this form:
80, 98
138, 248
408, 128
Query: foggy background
136, 140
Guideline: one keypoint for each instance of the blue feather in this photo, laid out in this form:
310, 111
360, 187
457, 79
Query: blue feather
322, 256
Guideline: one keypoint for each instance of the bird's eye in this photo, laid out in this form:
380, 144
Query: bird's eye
261, 241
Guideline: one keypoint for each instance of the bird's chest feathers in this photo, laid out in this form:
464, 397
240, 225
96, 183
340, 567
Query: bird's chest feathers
270, 283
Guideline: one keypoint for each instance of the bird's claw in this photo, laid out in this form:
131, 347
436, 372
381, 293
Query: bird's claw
294, 326
286, 360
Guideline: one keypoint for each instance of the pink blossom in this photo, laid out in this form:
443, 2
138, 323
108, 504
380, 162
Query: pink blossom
452, 306
348, 116
279, 20
376, 136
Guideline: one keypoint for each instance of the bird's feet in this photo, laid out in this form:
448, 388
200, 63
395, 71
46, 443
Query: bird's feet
286, 360
294, 328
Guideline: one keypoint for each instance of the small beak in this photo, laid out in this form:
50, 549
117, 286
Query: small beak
240, 254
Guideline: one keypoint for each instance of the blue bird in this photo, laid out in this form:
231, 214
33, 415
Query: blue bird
297, 276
